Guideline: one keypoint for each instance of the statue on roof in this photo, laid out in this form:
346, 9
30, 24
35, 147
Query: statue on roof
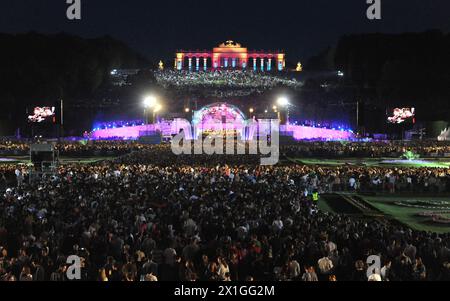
230, 44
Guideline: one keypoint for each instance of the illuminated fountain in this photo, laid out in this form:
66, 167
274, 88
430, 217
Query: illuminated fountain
413, 159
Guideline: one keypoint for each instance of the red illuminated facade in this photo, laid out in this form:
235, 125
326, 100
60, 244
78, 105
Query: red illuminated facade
230, 55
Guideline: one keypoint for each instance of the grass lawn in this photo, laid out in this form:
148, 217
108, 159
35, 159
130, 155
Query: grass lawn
63, 160
68, 160
324, 206
408, 215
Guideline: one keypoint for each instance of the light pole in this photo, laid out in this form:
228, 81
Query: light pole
283, 102
61, 131
150, 102
156, 109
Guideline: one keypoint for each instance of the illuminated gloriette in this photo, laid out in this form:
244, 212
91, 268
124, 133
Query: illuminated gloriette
230, 55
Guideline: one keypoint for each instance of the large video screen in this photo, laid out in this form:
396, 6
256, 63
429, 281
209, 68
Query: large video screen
402, 116
42, 115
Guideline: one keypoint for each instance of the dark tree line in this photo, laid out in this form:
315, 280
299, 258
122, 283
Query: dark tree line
37, 68
410, 69
383, 71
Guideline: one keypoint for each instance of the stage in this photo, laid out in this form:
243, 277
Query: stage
219, 117
171, 128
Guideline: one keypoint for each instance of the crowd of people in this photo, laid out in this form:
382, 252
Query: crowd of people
324, 179
80, 148
425, 149
150, 215
326, 149
222, 79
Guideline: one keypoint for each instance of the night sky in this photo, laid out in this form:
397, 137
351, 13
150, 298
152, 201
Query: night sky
157, 28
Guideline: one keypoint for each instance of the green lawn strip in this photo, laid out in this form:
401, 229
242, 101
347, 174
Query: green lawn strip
324, 206
15, 159
406, 164
69, 160
13, 162
370, 162
63, 160
318, 162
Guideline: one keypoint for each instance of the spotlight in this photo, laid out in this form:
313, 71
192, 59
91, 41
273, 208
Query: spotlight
150, 101
157, 108
283, 101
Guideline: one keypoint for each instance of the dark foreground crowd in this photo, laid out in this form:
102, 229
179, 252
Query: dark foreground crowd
137, 219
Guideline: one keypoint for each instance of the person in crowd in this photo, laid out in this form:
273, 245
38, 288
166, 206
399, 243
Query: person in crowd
310, 274
419, 270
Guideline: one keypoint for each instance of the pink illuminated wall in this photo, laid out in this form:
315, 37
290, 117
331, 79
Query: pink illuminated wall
309, 133
131, 132
134, 132
172, 128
